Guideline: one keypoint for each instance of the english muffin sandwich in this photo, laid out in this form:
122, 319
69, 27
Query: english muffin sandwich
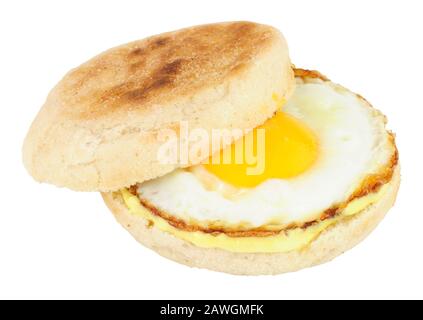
212, 150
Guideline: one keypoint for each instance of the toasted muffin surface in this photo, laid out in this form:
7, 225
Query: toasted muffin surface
110, 110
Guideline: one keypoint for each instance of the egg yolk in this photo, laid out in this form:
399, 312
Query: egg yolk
288, 149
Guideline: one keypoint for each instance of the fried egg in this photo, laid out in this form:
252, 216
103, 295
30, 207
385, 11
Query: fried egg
319, 148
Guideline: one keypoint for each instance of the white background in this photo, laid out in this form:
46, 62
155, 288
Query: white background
56, 243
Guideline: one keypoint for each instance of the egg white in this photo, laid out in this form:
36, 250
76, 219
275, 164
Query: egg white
353, 143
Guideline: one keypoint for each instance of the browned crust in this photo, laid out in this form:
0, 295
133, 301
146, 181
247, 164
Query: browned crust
304, 73
370, 184
143, 73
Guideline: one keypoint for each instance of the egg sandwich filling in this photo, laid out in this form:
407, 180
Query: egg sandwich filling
327, 156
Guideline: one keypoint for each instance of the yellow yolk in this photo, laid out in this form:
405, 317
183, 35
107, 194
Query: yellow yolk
289, 148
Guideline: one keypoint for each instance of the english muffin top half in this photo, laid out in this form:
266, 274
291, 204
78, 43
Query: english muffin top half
99, 127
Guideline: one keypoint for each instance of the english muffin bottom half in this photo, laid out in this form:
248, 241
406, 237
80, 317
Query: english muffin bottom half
211, 217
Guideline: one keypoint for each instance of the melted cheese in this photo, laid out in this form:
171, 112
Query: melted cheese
293, 239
